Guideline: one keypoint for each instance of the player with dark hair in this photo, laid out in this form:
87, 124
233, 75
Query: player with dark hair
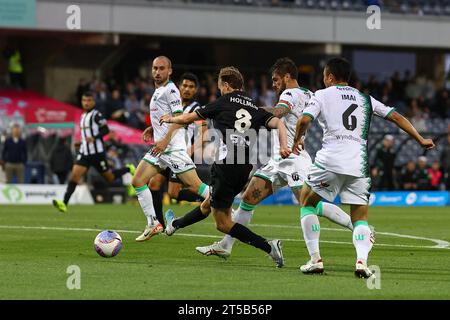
93, 127
234, 115
341, 167
279, 172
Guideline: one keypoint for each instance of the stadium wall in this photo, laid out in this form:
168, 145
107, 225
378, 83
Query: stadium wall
388, 198
231, 22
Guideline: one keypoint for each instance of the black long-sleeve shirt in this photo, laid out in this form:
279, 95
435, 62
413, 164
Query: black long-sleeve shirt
14, 152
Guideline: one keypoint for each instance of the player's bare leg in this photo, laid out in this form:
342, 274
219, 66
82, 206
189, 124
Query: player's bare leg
191, 180
198, 214
311, 229
257, 190
144, 172
225, 224
174, 189
75, 176
155, 185
362, 239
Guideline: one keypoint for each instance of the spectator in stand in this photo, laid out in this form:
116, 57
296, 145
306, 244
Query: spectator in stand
114, 142
116, 109
135, 116
251, 89
82, 87
267, 96
409, 176
416, 116
376, 179
435, 175
101, 97
445, 162
384, 161
423, 177
145, 109
14, 156
61, 160
441, 106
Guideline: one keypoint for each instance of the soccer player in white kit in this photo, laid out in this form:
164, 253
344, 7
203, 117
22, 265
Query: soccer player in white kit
279, 172
169, 150
341, 167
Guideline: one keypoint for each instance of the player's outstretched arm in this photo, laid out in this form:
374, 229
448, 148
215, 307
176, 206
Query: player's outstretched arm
300, 130
160, 146
278, 112
183, 119
276, 123
406, 126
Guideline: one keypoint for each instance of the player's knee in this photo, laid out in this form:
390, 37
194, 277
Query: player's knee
138, 182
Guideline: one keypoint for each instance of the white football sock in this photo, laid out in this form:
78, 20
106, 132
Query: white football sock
203, 191
241, 216
311, 232
361, 240
334, 214
146, 201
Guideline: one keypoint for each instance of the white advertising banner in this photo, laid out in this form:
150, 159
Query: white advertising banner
42, 194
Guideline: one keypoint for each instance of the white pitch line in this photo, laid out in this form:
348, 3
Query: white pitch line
440, 244
218, 237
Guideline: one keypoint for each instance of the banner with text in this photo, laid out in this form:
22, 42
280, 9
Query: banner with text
41, 194
390, 198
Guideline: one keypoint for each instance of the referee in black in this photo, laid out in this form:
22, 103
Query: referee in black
234, 114
93, 127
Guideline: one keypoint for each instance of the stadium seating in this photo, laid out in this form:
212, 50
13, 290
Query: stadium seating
419, 7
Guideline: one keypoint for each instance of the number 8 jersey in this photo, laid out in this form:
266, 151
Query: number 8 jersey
344, 113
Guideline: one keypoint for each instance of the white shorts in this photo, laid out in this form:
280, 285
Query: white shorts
290, 171
177, 161
327, 184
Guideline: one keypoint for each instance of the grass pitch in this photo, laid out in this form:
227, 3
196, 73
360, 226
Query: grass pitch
37, 245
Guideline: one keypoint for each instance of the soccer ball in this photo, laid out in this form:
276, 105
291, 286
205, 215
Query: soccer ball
108, 243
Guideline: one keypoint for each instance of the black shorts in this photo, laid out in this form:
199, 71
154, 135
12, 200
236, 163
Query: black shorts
227, 181
98, 161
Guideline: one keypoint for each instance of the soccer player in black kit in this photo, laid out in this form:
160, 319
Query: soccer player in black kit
93, 128
234, 114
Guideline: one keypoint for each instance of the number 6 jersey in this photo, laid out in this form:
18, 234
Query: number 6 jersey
344, 113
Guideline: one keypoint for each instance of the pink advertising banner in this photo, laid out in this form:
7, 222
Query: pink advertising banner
37, 109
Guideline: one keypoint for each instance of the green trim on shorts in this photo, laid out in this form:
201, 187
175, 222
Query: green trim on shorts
247, 207
319, 209
148, 161
309, 115
319, 166
140, 189
360, 223
172, 151
262, 177
306, 211
296, 187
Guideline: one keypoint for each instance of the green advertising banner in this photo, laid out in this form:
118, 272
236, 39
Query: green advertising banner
17, 13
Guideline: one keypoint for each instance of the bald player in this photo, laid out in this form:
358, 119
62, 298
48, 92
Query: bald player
169, 150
